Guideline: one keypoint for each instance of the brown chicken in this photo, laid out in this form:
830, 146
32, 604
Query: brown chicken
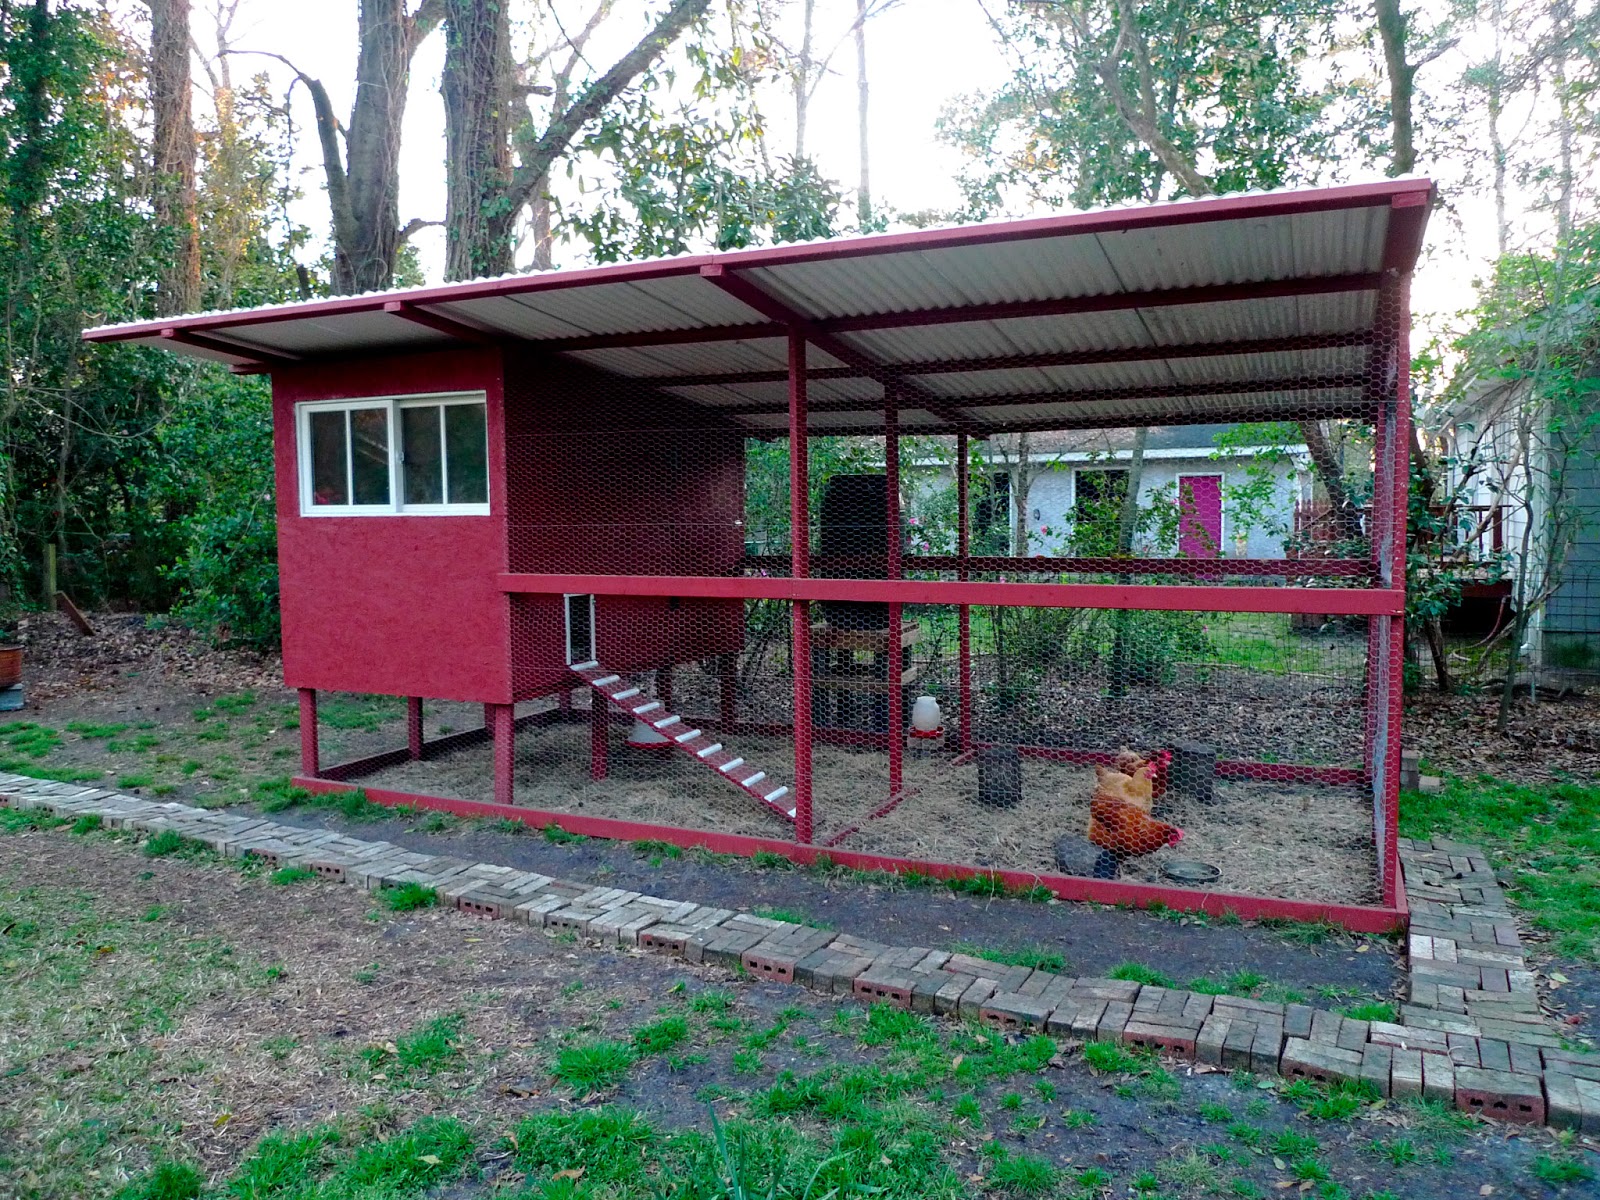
1126, 830
1133, 787
1129, 761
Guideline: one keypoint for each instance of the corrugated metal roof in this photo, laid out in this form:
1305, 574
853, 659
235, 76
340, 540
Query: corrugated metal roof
1024, 303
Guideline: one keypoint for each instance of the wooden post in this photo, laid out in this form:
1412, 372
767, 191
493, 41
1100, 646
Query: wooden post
503, 728
894, 666
310, 764
414, 725
49, 591
727, 682
964, 650
800, 568
599, 728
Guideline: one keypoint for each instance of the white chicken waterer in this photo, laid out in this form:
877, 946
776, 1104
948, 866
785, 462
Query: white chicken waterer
644, 737
926, 719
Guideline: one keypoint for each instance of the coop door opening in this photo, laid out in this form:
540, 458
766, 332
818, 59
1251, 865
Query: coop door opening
580, 629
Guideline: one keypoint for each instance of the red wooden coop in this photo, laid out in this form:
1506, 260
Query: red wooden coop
700, 535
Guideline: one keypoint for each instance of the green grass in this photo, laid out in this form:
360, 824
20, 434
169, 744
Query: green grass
88, 823
408, 897
167, 1181
1139, 973
1110, 1058
660, 1036
167, 842
433, 1046
285, 876
790, 915
1548, 836
91, 729
1029, 956
366, 713
595, 1066
558, 836
656, 850
1373, 1012
1563, 1170
135, 781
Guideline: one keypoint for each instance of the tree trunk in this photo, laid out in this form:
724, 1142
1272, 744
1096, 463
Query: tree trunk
1021, 484
477, 123
485, 194
1402, 74
864, 179
1326, 465
802, 80
173, 151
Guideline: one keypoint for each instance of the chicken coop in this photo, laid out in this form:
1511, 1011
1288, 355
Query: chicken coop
962, 552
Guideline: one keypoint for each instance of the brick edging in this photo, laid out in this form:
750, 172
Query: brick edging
1471, 1031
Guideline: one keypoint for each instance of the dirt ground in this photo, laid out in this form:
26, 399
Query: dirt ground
1301, 841
281, 1008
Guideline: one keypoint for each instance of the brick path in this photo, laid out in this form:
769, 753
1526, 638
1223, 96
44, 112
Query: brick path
1471, 1031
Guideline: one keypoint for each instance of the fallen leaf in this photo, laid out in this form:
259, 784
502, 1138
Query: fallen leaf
955, 1063
1559, 977
1284, 1183
1363, 948
433, 1160
390, 1048
569, 1173
1280, 1164
1486, 1190
222, 1119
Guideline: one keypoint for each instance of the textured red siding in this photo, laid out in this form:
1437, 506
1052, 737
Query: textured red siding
402, 605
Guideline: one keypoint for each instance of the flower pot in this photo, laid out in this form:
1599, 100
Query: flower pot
10, 666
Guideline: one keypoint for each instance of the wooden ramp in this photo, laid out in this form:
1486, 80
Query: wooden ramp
684, 738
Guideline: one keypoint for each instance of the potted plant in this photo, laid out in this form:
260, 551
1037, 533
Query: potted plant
10, 658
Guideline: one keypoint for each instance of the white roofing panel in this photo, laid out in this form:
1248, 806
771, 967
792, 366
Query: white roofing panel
328, 335
1281, 364
508, 315
1324, 313
1099, 376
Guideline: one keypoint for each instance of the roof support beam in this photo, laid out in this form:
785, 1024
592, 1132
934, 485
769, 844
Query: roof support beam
439, 324
1177, 391
1060, 358
769, 306
250, 359
872, 423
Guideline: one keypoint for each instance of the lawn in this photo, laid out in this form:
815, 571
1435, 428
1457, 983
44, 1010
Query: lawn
1546, 835
181, 1025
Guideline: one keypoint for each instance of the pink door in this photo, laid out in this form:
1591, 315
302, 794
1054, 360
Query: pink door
1200, 516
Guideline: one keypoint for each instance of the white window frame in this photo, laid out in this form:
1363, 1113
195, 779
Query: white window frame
392, 405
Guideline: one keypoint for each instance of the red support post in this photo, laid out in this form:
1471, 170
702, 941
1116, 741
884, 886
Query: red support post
599, 727
414, 726
800, 567
963, 546
501, 720
894, 665
310, 764
729, 693
1400, 456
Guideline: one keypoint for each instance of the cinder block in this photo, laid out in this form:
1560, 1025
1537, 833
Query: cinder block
1438, 1077
1405, 1079
1174, 1039
889, 987
1500, 1094
1013, 1010
1320, 1062
1377, 1062
1213, 1035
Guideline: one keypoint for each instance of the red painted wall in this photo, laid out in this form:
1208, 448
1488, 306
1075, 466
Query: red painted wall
401, 605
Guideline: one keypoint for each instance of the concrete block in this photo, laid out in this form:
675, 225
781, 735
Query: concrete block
1500, 1094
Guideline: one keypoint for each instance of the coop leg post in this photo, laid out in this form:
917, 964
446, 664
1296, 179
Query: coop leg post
800, 567
503, 727
964, 616
894, 660
599, 724
310, 763
414, 725
729, 697
894, 670
664, 686
802, 721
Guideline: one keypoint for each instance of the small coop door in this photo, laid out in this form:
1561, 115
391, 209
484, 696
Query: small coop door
580, 629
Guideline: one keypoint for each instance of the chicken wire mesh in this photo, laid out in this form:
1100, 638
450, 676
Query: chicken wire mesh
663, 675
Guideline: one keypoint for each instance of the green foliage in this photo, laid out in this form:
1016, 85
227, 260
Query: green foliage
168, 841
407, 897
1234, 86
433, 1046
595, 1066
1563, 1170
167, 1181
1139, 973
1033, 956
660, 1036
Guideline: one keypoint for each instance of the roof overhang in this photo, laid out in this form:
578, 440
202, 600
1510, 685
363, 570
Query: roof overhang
1223, 309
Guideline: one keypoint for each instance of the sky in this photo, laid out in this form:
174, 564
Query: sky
922, 54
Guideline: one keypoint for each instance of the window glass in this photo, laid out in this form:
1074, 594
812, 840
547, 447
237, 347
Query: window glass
422, 468
329, 463
369, 459
467, 449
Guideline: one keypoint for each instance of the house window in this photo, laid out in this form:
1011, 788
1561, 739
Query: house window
411, 454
